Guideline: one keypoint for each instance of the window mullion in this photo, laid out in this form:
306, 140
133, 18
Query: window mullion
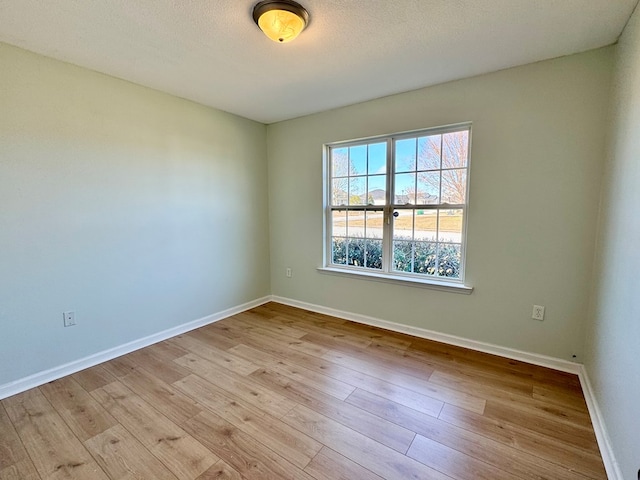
387, 221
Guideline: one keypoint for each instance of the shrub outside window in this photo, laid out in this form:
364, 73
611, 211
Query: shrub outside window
397, 205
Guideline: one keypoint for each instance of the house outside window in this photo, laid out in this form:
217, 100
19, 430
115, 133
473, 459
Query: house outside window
397, 205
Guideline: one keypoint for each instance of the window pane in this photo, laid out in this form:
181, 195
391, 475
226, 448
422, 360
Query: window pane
449, 257
355, 255
357, 191
339, 250
454, 186
428, 188
455, 149
402, 255
377, 158
339, 188
377, 193
356, 224
406, 155
374, 224
429, 152
424, 258
403, 225
374, 254
450, 226
426, 222
339, 223
358, 160
339, 162
405, 188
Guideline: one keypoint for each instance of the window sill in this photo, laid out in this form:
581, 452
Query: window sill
399, 280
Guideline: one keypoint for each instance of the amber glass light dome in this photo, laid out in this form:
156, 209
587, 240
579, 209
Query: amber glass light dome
281, 21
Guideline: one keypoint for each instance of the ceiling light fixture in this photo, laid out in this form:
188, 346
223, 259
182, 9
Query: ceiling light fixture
281, 21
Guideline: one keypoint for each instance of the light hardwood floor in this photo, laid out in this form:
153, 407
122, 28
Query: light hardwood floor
281, 393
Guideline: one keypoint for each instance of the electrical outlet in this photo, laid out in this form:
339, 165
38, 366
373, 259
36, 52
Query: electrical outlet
69, 318
288, 272
538, 312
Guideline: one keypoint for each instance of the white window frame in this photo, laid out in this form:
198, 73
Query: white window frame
387, 274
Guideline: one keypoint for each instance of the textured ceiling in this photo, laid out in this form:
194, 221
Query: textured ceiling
353, 50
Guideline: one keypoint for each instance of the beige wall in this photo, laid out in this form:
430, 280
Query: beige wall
538, 145
137, 210
613, 345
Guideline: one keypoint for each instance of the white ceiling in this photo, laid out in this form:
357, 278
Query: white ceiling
210, 51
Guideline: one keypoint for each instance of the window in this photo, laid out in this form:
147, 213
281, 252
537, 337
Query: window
397, 205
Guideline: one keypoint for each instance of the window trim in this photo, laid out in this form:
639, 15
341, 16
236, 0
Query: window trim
370, 274
387, 274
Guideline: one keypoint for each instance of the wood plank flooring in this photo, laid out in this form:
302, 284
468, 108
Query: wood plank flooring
279, 393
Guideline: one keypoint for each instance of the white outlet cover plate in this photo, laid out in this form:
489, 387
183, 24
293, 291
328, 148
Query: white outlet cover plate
69, 318
538, 312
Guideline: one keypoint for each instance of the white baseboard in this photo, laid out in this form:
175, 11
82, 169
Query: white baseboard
533, 358
60, 371
604, 443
